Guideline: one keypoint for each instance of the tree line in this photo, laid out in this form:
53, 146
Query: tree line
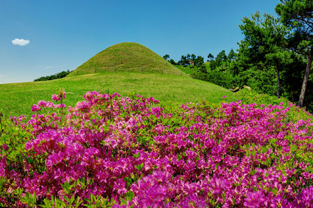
186, 60
275, 56
55, 76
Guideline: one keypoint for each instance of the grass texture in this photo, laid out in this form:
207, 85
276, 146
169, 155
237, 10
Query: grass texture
127, 57
17, 98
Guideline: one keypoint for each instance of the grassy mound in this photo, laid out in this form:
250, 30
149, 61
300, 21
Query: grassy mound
127, 57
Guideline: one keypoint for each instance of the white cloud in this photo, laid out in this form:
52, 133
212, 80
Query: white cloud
48, 67
20, 42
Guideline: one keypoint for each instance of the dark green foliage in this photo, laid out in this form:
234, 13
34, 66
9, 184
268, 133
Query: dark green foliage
166, 57
263, 48
222, 78
200, 73
199, 61
188, 58
185, 60
210, 57
232, 55
267, 60
55, 76
218, 71
298, 14
275, 56
172, 62
221, 57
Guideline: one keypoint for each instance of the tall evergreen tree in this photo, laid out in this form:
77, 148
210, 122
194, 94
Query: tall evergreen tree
220, 58
210, 57
298, 14
265, 44
183, 60
231, 55
199, 61
188, 59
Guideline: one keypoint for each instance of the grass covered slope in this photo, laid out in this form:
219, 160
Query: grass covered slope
17, 99
129, 57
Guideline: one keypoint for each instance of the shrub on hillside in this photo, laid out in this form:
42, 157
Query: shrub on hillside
130, 152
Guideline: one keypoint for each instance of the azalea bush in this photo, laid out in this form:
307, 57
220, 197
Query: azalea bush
251, 96
112, 151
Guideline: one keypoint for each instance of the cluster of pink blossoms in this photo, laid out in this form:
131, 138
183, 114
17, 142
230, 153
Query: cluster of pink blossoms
43, 104
195, 156
59, 96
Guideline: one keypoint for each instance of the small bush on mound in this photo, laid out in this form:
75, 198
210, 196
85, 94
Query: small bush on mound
131, 152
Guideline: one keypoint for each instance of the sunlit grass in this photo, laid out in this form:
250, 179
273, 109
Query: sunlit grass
17, 99
127, 57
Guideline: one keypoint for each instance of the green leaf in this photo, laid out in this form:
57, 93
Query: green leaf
139, 167
78, 202
137, 155
128, 180
132, 176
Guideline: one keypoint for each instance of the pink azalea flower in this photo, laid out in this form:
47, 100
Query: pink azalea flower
35, 108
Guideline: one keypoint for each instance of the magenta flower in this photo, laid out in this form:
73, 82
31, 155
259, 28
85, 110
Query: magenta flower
254, 200
21, 118
219, 186
5, 147
155, 196
3, 167
35, 108
42, 103
83, 105
115, 95
55, 97
192, 156
193, 201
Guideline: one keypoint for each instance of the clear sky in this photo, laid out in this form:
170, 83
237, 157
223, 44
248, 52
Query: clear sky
44, 37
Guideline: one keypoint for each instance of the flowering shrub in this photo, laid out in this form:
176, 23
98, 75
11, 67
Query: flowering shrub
114, 151
250, 96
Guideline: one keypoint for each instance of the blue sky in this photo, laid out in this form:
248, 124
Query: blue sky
63, 34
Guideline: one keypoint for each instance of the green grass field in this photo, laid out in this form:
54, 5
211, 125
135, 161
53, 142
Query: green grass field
17, 99
123, 68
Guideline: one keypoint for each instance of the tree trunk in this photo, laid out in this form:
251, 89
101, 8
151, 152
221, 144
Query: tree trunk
292, 92
278, 81
306, 78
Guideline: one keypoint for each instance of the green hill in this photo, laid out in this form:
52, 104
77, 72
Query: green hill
144, 76
127, 57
